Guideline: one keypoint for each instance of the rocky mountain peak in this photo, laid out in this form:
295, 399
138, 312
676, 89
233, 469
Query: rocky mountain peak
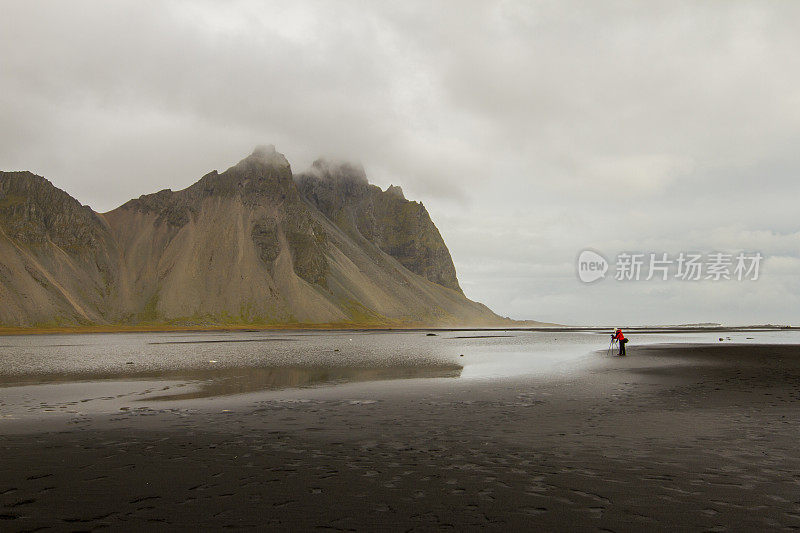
264, 175
395, 190
33, 210
264, 161
266, 154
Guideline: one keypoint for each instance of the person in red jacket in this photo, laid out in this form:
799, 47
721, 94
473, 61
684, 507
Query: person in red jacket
618, 336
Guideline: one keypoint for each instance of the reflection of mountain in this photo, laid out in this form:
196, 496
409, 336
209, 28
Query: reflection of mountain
252, 245
223, 381
228, 381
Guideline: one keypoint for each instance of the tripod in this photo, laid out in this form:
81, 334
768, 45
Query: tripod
610, 347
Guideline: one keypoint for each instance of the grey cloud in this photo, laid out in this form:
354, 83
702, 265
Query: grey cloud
529, 129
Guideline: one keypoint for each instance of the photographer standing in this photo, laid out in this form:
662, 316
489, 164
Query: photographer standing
618, 336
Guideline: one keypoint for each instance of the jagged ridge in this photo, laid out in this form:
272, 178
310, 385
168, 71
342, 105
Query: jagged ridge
253, 244
401, 228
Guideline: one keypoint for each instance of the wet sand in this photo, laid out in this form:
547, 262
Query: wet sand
669, 438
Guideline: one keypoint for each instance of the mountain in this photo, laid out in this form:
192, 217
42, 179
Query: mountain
376, 219
251, 245
58, 261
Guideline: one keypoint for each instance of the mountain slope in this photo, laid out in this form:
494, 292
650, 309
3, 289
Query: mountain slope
251, 245
57, 259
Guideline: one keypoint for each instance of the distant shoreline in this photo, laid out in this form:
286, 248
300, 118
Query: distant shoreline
10, 331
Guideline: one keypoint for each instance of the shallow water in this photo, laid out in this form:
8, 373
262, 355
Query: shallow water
40, 371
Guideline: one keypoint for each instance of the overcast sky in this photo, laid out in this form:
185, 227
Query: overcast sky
530, 130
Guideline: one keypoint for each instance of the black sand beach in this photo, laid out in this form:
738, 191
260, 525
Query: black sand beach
672, 437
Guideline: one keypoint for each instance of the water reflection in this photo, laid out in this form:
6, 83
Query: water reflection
222, 381
229, 381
